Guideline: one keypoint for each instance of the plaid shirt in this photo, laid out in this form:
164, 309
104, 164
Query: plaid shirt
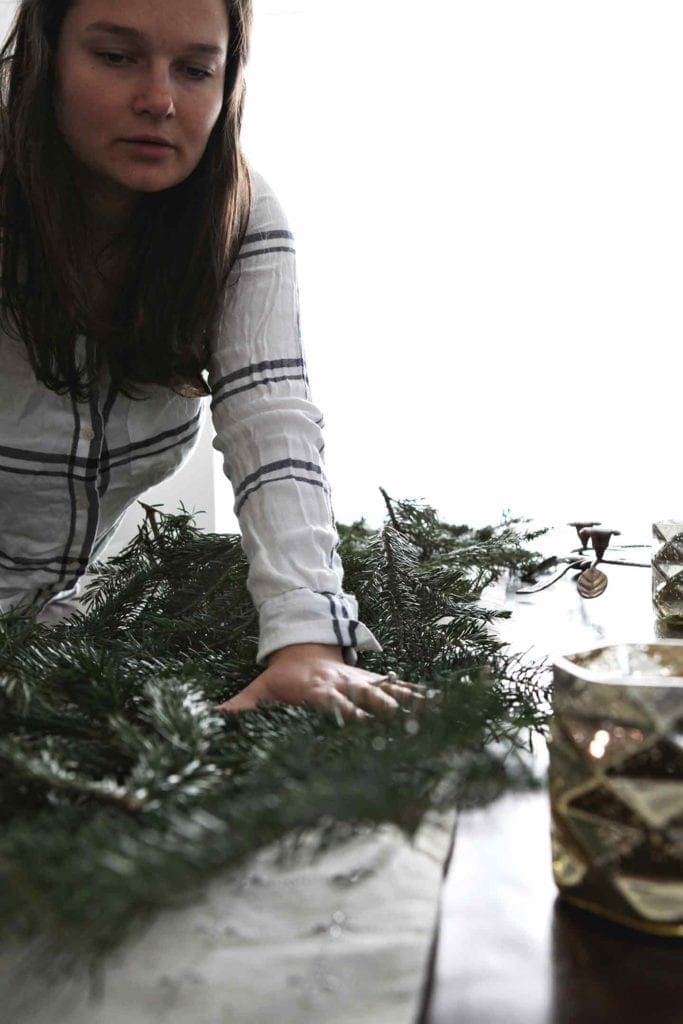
69, 471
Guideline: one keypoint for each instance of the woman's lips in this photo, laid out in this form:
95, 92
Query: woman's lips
153, 149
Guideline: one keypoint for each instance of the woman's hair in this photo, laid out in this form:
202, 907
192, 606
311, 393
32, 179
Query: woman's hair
185, 241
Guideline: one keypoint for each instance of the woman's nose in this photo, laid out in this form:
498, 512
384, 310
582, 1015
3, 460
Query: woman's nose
154, 96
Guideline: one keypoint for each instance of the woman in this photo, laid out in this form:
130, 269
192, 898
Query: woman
126, 203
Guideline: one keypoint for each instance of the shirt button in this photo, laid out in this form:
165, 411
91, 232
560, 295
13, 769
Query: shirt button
87, 434
82, 503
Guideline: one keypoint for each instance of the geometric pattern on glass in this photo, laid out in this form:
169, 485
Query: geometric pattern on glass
568, 770
667, 571
569, 868
662, 704
675, 737
603, 739
616, 774
651, 899
662, 760
668, 531
605, 841
656, 801
620, 703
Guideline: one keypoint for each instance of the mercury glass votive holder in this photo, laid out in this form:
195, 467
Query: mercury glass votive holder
667, 572
616, 783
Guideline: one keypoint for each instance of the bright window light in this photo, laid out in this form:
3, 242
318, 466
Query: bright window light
488, 210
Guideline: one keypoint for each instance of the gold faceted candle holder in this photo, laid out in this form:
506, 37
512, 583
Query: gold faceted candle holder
667, 572
616, 783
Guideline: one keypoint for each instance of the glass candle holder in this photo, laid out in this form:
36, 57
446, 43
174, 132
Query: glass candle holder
616, 783
667, 572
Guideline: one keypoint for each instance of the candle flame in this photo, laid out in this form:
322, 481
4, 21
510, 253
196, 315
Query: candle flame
598, 745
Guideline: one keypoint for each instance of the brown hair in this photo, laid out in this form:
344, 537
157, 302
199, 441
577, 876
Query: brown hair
185, 240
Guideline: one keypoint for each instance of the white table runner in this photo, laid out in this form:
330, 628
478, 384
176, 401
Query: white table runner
344, 939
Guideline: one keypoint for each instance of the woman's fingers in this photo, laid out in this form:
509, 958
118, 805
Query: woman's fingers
333, 702
381, 680
247, 699
368, 696
404, 695
348, 696
414, 687
236, 704
342, 708
405, 685
404, 692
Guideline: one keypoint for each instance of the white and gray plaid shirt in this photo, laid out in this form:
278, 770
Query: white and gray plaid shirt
68, 471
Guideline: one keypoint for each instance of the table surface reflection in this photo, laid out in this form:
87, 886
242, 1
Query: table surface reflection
508, 949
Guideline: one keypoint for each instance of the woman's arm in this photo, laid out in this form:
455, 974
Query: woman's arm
269, 432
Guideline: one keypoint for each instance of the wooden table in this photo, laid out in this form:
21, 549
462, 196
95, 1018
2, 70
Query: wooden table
510, 952
343, 953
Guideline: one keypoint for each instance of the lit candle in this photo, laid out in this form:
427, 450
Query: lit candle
616, 783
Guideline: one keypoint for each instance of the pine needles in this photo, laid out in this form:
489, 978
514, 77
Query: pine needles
121, 789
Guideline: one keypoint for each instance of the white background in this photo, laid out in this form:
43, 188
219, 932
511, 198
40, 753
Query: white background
489, 216
488, 209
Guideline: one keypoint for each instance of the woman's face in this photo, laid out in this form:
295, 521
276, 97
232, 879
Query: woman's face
126, 70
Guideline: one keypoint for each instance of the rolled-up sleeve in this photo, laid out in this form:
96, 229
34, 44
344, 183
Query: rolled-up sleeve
269, 433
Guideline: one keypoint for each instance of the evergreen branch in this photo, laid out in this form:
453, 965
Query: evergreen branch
121, 788
390, 510
46, 770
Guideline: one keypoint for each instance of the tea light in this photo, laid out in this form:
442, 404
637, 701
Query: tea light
616, 783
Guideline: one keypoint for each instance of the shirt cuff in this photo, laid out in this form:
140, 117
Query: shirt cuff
306, 617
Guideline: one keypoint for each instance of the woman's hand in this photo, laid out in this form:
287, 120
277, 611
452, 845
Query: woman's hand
317, 674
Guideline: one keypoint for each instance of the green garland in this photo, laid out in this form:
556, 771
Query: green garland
121, 789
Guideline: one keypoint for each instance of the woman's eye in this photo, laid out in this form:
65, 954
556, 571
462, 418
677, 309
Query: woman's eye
113, 58
198, 73
117, 60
